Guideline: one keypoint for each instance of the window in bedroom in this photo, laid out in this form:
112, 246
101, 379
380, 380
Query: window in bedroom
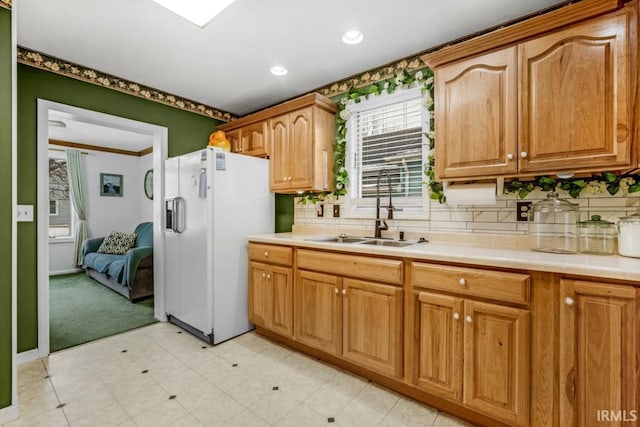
60, 209
386, 132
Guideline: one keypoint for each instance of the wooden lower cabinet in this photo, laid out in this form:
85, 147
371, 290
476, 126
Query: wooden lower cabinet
598, 348
318, 311
270, 297
473, 352
372, 326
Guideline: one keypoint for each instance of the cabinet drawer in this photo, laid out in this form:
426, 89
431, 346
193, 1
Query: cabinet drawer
497, 285
362, 267
271, 253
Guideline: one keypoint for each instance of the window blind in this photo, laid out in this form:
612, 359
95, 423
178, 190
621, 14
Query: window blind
389, 137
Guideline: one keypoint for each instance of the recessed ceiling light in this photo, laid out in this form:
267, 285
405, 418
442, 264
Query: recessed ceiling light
352, 37
200, 12
279, 70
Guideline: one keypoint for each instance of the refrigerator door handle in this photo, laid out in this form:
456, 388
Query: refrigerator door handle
179, 214
202, 185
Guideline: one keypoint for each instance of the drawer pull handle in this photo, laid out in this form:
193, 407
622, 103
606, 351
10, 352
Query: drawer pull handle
266, 254
468, 319
456, 316
569, 301
462, 281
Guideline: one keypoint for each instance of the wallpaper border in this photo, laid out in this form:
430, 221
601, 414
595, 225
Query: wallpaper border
89, 75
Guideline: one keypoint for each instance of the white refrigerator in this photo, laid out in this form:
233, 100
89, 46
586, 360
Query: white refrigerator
214, 199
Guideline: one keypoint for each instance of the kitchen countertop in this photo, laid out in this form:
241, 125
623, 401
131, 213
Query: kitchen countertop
602, 266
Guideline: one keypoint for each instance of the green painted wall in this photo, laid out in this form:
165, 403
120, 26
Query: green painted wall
187, 132
5, 208
284, 213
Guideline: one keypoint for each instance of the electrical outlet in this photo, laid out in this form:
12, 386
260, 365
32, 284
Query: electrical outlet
320, 211
522, 212
336, 211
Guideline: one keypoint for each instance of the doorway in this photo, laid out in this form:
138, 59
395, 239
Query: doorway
56, 114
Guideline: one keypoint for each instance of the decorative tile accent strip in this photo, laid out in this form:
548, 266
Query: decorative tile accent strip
6, 4
78, 72
411, 63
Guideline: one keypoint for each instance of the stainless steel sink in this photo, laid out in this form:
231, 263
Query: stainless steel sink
390, 243
338, 239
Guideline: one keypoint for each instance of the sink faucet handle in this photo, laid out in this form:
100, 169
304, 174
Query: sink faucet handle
384, 225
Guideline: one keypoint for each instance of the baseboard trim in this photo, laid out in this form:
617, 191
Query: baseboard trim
9, 413
61, 272
27, 356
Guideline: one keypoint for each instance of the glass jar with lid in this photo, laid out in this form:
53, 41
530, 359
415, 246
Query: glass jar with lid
629, 235
597, 236
553, 225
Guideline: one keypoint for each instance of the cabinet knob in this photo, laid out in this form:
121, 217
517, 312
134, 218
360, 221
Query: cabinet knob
344, 292
336, 290
266, 254
468, 319
264, 275
456, 316
523, 154
509, 156
268, 276
462, 281
569, 301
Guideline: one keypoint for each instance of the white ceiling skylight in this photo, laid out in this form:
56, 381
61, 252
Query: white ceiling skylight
200, 12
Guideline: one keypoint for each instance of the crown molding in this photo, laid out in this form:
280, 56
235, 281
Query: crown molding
6, 4
88, 75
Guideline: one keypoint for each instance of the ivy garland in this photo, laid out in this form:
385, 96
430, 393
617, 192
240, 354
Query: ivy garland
355, 95
605, 182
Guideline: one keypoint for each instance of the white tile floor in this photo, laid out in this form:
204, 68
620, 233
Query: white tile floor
160, 376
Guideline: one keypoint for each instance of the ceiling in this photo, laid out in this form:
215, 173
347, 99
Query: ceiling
226, 64
81, 130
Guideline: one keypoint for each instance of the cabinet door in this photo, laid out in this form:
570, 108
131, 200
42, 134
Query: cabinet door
598, 354
476, 116
259, 294
575, 100
254, 139
318, 311
437, 345
496, 361
234, 139
281, 284
372, 326
301, 162
280, 156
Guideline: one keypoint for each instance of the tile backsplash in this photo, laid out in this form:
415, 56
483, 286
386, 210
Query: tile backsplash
498, 218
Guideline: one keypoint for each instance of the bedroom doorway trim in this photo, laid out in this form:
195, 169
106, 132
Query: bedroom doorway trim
160, 149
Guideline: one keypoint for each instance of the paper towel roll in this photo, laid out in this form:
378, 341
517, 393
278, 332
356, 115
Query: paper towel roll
471, 194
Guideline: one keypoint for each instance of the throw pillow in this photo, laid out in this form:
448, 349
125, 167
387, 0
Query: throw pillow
117, 243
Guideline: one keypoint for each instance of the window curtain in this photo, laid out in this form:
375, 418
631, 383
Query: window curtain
76, 182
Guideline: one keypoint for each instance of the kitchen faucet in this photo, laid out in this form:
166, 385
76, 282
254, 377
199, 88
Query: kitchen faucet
382, 224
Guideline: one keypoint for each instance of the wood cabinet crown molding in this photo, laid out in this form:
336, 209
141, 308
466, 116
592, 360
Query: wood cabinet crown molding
312, 99
567, 15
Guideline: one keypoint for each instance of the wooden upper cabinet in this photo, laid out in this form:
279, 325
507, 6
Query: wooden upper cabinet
279, 164
560, 98
598, 345
476, 116
576, 98
254, 140
297, 136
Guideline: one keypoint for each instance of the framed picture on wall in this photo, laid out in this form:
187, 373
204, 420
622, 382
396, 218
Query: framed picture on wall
111, 185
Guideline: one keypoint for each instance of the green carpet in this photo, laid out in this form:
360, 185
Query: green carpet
82, 310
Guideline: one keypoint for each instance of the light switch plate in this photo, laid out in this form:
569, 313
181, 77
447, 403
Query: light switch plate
24, 213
